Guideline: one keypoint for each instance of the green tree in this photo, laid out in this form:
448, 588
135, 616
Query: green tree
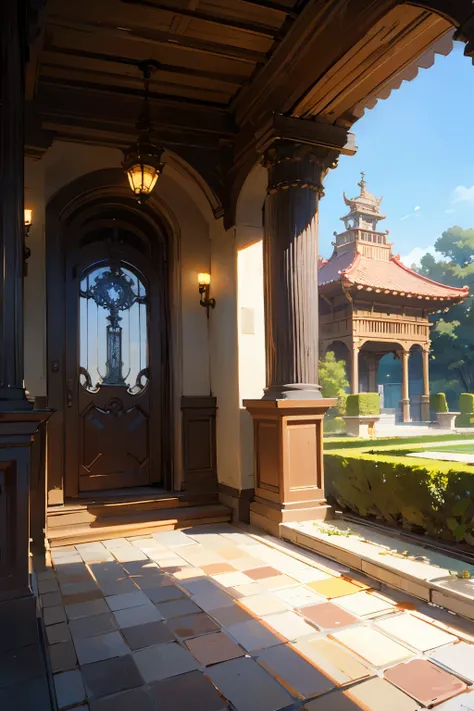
333, 379
453, 333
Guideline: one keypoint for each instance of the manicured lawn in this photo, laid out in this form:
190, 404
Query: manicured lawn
428, 441
455, 448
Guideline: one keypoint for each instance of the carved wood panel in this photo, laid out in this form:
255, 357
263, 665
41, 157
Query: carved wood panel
199, 444
114, 445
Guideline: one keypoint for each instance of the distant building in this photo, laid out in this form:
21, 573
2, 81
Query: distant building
372, 305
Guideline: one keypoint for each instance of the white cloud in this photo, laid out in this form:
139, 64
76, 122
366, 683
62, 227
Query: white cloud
414, 257
449, 211
463, 194
415, 210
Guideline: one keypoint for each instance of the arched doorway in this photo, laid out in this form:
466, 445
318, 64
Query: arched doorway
108, 343
389, 381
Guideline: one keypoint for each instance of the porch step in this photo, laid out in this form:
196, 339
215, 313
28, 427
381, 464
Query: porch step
134, 523
121, 503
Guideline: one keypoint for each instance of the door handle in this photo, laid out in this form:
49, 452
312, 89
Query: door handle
69, 393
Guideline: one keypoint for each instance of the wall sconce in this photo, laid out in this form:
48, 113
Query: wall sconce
28, 220
204, 286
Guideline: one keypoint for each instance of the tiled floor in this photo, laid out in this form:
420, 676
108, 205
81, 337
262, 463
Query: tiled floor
23, 678
213, 618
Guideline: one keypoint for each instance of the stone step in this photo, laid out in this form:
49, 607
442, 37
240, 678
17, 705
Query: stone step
123, 503
138, 523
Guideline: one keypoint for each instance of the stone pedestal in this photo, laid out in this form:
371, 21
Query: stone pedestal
17, 430
361, 425
288, 451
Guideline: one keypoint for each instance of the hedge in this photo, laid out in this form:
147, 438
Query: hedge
464, 420
466, 403
423, 495
334, 425
363, 404
438, 402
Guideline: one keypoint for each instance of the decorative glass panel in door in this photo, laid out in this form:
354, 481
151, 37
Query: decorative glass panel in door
114, 373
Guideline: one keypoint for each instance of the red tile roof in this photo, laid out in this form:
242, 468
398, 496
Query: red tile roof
387, 276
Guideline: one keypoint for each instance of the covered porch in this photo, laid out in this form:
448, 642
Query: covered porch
129, 402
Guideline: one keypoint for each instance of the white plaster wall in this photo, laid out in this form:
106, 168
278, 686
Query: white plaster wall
250, 310
224, 353
64, 162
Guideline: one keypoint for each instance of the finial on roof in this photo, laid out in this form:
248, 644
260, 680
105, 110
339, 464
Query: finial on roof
362, 182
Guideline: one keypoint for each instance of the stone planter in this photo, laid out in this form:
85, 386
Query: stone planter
361, 425
446, 420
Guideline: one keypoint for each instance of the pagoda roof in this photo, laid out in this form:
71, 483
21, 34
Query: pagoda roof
388, 277
365, 202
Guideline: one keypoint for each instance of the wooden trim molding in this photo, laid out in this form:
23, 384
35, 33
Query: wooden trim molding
199, 443
243, 497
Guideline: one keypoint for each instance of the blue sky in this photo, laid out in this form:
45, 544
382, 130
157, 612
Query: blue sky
417, 150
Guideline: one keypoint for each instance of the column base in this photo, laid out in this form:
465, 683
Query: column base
405, 407
266, 515
425, 408
293, 391
288, 460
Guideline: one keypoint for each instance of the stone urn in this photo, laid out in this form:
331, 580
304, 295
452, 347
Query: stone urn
446, 420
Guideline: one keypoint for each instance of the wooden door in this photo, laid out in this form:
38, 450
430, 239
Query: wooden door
112, 370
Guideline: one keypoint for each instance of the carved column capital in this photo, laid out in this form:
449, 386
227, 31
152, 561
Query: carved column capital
465, 33
297, 165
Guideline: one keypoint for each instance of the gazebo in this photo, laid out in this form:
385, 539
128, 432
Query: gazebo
371, 304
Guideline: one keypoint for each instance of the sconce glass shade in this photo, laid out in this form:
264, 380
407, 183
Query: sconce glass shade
28, 217
204, 279
142, 164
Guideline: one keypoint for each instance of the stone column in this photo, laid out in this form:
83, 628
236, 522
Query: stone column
295, 175
18, 420
288, 421
425, 398
13, 50
372, 364
405, 401
355, 370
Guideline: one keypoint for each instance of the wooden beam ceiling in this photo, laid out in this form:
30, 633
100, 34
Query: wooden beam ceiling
226, 66
250, 27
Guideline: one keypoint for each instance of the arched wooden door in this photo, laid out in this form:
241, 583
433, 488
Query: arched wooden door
113, 367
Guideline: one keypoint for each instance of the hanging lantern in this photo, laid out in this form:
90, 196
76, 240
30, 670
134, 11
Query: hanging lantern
142, 164
142, 161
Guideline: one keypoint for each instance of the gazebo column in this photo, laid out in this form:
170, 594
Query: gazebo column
355, 369
18, 420
425, 398
289, 482
405, 401
372, 364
